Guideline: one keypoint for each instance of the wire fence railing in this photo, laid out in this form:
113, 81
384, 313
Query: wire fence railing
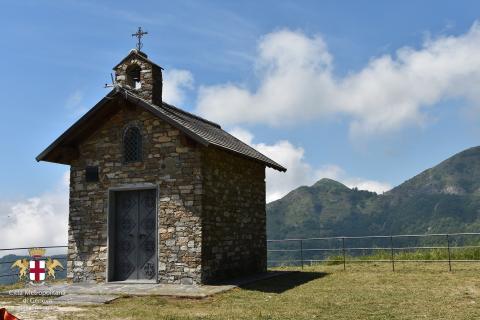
393, 249
437, 248
9, 256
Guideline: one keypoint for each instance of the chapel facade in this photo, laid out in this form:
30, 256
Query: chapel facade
158, 194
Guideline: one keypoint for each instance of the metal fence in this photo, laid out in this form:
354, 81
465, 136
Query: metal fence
453, 247
439, 248
20, 253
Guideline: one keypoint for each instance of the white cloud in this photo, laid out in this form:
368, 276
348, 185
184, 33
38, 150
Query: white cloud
297, 83
337, 173
242, 134
175, 84
299, 172
37, 221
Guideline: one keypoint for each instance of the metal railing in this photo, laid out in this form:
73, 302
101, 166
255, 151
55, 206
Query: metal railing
337, 249
18, 251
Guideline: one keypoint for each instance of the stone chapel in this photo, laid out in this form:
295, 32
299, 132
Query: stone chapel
158, 194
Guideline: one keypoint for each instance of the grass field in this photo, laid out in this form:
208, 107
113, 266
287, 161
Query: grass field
433, 254
363, 291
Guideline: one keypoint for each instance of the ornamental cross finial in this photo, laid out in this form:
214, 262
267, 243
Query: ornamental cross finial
139, 34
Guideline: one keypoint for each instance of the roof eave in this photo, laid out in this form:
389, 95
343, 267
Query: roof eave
278, 168
273, 165
44, 154
47, 153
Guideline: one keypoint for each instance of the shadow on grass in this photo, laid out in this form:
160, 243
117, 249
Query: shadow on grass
283, 281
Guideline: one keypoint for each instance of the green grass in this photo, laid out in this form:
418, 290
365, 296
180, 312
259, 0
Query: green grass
424, 254
363, 291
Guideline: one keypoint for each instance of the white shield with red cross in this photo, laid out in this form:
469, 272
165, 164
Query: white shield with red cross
37, 270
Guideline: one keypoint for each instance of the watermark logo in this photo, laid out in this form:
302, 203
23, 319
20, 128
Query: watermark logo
38, 268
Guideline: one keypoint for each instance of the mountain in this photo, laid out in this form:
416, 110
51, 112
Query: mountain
457, 175
445, 198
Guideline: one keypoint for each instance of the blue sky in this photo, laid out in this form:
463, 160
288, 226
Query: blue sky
56, 56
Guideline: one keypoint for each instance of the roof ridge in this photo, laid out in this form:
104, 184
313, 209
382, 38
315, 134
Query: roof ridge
191, 114
200, 130
140, 55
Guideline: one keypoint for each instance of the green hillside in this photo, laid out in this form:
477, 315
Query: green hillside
445, 198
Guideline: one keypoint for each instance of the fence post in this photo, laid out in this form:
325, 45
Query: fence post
301, 252
391, 247
343, 250
449, 258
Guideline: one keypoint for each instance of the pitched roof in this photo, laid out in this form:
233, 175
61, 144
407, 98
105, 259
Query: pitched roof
139, 55
201, 130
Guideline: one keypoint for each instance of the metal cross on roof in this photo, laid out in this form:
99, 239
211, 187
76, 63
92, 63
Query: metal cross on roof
139, 34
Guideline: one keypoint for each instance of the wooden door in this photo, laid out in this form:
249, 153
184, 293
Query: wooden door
135, 235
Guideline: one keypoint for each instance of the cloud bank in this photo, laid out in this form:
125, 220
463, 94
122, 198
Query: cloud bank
299, 172
297, 83
176, 83
36, 221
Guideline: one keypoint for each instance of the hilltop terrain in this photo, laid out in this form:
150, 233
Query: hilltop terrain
445, 198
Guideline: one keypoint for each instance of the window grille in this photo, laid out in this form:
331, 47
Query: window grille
132, 145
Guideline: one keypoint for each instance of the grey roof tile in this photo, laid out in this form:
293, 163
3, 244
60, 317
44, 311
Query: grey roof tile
211, 132
199, 129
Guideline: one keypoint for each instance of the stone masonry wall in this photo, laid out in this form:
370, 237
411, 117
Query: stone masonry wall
150, 77
234, 218
171, 161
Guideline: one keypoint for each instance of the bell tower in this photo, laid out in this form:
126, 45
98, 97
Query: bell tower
141, 76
